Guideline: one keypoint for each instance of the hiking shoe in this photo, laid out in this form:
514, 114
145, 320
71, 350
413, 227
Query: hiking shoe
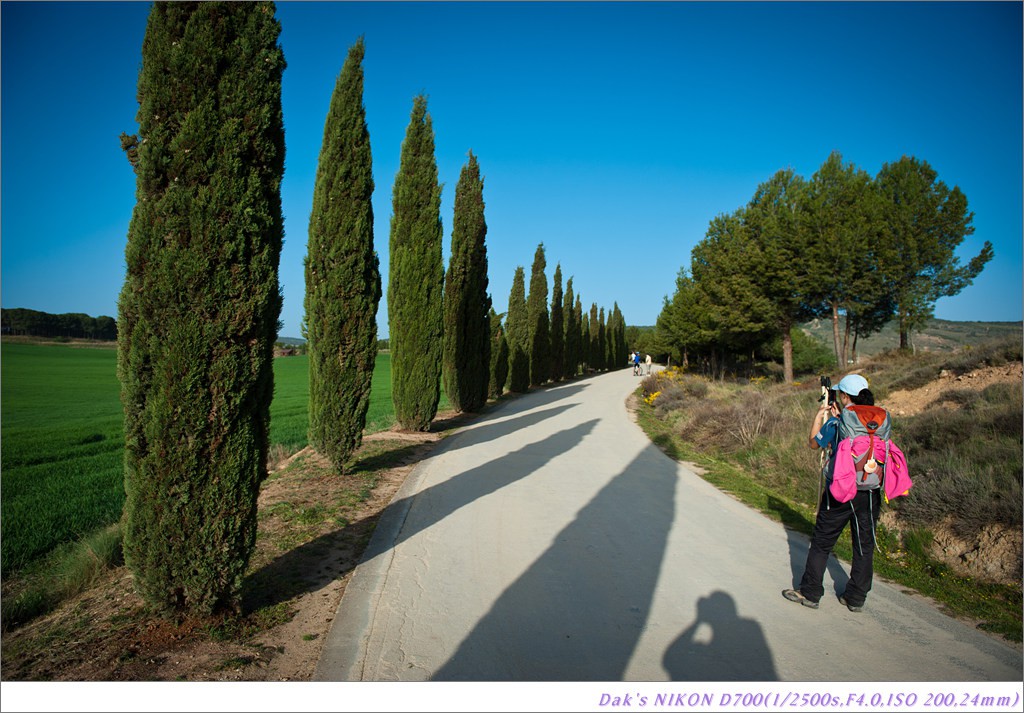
851, 607
794, 595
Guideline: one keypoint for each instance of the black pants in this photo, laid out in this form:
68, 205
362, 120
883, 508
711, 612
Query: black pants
862, 514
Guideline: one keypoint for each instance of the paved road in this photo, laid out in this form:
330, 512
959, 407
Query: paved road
550, 541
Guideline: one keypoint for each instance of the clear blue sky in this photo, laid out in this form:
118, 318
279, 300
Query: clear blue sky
611, 132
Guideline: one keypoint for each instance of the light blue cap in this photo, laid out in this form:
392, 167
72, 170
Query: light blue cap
851, 384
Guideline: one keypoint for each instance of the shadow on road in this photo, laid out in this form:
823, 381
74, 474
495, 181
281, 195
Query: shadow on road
720, 646
493, 431
438, 501
578, 612
795, 524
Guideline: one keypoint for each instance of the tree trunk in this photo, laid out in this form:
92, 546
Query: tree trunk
846, 340
835, 333
787, 354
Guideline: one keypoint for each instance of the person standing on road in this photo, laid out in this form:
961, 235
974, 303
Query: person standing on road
648, 361
834, 515
636, 363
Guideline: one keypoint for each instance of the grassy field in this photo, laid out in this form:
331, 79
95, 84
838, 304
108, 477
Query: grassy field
62, 441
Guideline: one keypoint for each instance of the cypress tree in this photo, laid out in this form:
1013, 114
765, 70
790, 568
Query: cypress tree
416, 277
620, 352
596, 352
467, 336
603, 340
540, 325
499, 357
197, 315
557, 328
570, 360
586, 346
342, 274
582, 336
517, 332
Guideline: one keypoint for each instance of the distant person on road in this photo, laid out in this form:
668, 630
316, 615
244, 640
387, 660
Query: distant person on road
833, 515
648, 361
636, 363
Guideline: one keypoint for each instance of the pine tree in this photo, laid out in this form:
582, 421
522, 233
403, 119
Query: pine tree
557, 328
197, 315
517, 332
499, 357
784, 277
925, 223
343, 286
416, 277
540, 325
467, 336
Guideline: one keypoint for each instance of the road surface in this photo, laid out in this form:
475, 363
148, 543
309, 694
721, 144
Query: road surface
551, 541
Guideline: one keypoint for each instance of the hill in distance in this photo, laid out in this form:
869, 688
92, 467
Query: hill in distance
939, 335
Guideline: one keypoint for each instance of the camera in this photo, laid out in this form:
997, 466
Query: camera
827, 394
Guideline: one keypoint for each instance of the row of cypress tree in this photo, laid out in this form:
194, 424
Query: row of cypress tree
558, 344
198, 311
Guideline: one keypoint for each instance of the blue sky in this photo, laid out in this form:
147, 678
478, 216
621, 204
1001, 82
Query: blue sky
611, 132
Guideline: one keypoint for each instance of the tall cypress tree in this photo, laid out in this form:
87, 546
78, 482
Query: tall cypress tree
499, 357
596, 352
540, 325
603, 340
416, 277
582, 336
342, 274
517, 332
197, 315
619, 350
467, 336
557, 328
570, 359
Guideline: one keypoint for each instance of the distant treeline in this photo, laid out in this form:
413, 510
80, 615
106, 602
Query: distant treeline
29, 322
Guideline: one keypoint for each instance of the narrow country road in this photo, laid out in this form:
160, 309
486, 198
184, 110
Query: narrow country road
551, 541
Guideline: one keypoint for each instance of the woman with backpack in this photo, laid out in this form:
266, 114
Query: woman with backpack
833, 515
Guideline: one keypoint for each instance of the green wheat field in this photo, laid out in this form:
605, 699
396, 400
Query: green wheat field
61, 439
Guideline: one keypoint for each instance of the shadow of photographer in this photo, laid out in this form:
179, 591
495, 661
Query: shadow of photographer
720, 645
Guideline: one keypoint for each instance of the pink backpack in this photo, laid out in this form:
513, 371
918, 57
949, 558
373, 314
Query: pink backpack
866, 458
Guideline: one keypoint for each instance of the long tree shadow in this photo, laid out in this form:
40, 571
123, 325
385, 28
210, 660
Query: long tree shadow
578, 612
798, 529
500, 429
720, 645
510, 403
422, 509
310, 566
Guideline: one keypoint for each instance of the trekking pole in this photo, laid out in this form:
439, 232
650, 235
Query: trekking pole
826, 398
